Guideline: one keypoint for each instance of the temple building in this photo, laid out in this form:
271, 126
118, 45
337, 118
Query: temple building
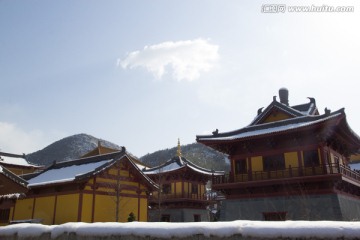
99, 188
290, 163
183, 196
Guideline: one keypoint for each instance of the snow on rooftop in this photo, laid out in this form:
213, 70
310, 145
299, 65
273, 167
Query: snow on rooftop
64, 174
281, 128
250, 229
175, 165
16, 161
171, 167
11, 196
205, 172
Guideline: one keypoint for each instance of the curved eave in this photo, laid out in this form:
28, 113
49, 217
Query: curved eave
182, 163
153, 172
150, 183
328, 121
188, 168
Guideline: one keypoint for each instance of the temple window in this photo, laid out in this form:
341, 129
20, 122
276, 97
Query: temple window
240, 166
166, 188
311, 158
165, 218
4, 215
197, 218
274, 162
194, 188
274, 216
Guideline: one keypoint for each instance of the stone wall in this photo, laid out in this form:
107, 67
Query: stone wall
307, 207
350, 208
179, 215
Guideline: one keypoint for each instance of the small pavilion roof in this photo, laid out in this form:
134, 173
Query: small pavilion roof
177, 163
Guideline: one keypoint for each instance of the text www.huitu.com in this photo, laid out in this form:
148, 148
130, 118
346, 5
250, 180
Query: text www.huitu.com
283, 8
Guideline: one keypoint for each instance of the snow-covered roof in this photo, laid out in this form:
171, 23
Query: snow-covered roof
18, 160
12, 196
268, 128
275, 127
83, 168
66, 173
177, 163
306, 109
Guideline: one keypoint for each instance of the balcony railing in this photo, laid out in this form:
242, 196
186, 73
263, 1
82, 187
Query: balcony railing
171, 196
292, 172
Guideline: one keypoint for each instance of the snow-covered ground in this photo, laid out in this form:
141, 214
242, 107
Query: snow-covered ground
254, 229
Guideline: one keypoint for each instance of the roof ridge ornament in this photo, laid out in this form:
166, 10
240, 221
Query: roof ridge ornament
216, 132
284, 96
327, 111
312, 100
178, 152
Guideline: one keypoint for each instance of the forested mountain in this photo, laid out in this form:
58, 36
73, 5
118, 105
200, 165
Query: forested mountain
196, 153
67, 148
75, 146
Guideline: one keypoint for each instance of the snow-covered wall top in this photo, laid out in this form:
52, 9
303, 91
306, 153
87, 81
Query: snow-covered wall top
253, 229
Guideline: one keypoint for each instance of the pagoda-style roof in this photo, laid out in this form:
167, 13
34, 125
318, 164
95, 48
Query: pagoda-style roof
81, 170
307, 109
280, 119
180, 163
100, 149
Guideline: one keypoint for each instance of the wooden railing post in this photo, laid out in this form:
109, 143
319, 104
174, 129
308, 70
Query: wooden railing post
290, 171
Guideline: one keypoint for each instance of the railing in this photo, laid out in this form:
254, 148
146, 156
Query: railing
171, 196
292, 172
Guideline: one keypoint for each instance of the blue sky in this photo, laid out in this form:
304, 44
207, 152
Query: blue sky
144, 73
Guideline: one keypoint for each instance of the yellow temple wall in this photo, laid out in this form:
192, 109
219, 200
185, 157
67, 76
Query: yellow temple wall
86, 211
178, 188
291, 159
23, 209
276, 117
44, 209
67, 208
257, 163
143, 210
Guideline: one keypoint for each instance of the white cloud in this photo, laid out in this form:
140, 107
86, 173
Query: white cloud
186, 59
16, 140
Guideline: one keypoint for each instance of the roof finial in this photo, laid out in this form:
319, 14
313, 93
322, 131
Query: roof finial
99, 146
178, 152
284, 96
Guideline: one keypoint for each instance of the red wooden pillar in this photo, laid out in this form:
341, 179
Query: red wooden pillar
300, 163
80, 206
